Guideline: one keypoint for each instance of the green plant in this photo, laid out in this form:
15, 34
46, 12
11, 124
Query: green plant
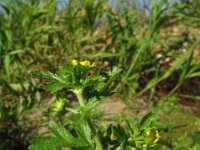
133, 32
41, 35
23, 34
81, 128
188, 11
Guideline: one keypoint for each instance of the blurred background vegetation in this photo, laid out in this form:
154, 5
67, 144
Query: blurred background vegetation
156, 43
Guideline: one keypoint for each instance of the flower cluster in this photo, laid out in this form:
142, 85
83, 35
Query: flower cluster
84, 63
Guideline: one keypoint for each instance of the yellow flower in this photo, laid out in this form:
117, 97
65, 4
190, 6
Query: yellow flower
151, 136
74, 62
86, 63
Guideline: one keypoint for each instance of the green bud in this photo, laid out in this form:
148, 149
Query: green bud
59, 105
151, 136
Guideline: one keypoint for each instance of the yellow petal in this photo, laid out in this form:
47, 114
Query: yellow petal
85, 63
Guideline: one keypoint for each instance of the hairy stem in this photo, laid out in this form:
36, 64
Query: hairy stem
79, 94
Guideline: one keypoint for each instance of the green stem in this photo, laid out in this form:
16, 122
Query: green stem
174, 89
96, 136
98, 142
79, 94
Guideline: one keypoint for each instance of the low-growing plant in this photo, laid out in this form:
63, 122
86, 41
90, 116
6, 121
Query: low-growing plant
81, 127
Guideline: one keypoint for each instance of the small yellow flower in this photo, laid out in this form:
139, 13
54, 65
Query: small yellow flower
151, 136
74, 62
86, 63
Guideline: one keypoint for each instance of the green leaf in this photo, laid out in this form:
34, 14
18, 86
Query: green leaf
104, 55
66, 71
111, 76
100, 86
84, 132
118, 133
177, 65
7, 65
93, 80
179, 62
88, 108
46, 143
65, 135
55, 86
60, 131
146, 121
53, 81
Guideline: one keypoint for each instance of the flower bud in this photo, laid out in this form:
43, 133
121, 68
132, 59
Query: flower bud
151, 136
59, 106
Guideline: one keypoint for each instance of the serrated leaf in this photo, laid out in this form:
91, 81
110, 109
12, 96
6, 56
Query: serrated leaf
111, 76
100, 86
53, 81
54, 86
65, 135
66, 71
59, 131
93, 80
46, 143
90, 106
146, 121
114, 73
84, 132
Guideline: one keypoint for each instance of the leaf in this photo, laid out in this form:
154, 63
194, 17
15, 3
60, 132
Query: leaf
46, 143
55, 86
53, 81
146, 121
177, 65
93, 80
7, 65
65, 135
118, 133
100, 86
191, 97
192, 75
66, 71
16, 52
48, 76
88, 108
84, 132
104, 55
111, 76
114, 73
194, 70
